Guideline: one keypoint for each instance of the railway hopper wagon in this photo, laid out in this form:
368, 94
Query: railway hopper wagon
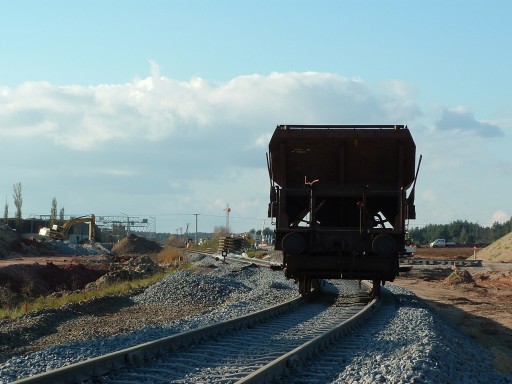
338, 200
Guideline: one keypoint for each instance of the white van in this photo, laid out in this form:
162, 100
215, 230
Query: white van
438, 243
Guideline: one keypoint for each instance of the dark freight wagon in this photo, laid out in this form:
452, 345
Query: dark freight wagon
338, 196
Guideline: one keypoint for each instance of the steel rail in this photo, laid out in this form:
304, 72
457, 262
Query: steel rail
101, 365
244, 260
306, 351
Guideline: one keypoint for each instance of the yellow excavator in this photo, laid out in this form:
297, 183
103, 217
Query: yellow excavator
61, 232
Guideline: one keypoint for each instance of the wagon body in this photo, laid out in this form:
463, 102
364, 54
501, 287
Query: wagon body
338, 198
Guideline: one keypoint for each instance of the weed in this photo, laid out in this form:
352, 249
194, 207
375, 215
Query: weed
169, 255
15, 309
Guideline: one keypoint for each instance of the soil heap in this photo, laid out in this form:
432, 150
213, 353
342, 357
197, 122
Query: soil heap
42, 279
135, 245
7, 237
459, 276
136, 267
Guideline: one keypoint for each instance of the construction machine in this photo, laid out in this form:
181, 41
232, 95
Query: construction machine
61, 232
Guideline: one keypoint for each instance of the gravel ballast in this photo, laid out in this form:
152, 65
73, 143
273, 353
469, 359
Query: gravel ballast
416, 345
412, 344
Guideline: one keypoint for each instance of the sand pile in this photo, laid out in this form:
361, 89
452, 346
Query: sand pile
498, 251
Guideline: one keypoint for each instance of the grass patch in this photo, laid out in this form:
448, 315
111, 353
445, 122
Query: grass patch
257, 254
16, 305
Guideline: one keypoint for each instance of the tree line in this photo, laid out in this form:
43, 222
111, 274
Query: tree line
462, 232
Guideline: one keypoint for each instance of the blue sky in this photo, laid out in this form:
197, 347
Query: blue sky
165, 108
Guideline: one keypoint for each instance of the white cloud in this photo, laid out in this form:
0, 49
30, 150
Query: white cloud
461, 119
499, 217
157, 144
158, 107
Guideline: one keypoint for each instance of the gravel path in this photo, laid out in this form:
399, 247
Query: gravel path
415, 346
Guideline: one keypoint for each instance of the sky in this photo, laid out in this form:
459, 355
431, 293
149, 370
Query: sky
164, 109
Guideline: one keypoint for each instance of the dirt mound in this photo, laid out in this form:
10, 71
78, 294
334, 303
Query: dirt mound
12, 244
135, 245
7, 236
496, 279
137, 267
498, 251
459, 276
43, 279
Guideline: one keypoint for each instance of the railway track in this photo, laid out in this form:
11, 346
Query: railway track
326, 368
253, 349
442, 262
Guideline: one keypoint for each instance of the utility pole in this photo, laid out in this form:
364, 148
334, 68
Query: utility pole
227, 209
127, 224
196, 214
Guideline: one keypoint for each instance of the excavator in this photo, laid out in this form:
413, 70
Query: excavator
61, 232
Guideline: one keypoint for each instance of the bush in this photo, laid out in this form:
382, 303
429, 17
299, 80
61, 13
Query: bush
169, 255
8, 298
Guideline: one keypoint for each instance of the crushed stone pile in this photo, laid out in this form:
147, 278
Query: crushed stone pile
133, 244
67, 248
178, 289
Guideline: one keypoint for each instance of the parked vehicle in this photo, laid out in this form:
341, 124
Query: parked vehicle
438, 243
441, 243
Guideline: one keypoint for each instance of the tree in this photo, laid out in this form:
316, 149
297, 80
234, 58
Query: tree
53, 212
6, 212
61, 216
220, 231
18, 201
268, 231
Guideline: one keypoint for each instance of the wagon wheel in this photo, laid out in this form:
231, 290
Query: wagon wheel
306, 284
375, 292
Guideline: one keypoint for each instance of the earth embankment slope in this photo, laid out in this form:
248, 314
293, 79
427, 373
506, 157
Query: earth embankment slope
499, 251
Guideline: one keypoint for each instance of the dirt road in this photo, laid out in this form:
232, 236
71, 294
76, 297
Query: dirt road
476, 300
